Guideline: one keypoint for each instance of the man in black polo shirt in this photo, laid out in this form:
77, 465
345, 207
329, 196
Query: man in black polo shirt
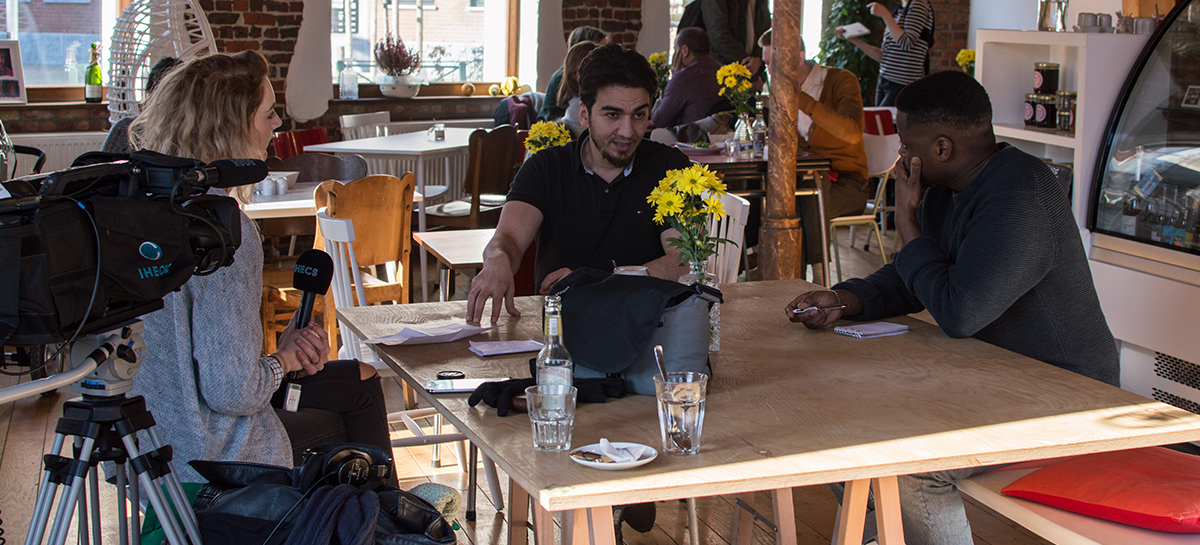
586, 201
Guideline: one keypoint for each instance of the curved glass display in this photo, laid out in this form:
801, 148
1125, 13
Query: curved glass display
1147, 184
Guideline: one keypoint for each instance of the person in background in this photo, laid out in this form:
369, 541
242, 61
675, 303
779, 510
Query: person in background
991, 250
733, 26
568, 92
205, 378
830, 122
118, 135
904, 56
551, 110
693, 88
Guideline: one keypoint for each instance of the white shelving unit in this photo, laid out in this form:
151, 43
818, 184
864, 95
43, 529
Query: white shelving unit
1094, 65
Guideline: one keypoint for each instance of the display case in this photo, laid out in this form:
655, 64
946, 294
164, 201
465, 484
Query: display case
1146, 185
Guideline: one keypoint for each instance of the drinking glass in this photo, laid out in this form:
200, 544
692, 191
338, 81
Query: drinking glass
681, 410
552, 415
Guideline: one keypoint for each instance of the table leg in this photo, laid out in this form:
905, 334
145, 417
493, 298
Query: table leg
821, 178
743, 523
887, 511
543, 526
421, 226
445, 277
853, 514
518, 514
785, 516
575, 528
600, 521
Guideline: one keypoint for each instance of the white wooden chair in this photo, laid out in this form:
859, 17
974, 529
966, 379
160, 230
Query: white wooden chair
882, 152
358, 126
724, 265
348, 290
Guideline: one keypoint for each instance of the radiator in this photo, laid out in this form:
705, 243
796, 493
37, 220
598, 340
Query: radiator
435, 173
61, 148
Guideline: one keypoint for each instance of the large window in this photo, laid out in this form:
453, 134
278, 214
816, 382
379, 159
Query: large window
55, 36
453, 36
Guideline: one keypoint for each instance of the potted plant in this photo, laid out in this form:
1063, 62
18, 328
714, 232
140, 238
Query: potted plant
398, 63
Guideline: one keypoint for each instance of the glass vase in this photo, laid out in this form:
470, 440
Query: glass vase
698, 272
743, 138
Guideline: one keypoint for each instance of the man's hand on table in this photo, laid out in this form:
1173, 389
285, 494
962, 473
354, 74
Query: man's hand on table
551, 278
821, 317
494, 282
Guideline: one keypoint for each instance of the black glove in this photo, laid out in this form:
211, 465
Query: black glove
499, 394
597, 390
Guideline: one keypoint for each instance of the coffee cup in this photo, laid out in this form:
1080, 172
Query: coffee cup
1104, 20
1144, 25
1087, 19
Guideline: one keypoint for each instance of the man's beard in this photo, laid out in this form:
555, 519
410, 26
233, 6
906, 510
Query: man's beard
613, 160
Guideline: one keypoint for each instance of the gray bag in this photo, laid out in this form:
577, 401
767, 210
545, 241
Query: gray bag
611, 324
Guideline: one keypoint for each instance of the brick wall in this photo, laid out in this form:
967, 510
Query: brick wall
621, 19
951, 33
267, 26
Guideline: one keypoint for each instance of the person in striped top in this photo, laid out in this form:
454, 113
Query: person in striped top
904, 55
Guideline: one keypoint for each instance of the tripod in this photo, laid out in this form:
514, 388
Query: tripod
104, 425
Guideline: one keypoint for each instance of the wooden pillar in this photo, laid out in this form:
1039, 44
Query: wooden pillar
779, 238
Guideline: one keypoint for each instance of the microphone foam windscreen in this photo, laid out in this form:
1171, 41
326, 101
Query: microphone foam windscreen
314, 270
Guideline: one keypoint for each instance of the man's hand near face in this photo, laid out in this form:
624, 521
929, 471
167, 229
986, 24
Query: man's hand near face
908, 198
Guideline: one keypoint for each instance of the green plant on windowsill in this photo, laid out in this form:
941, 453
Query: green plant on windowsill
399, 63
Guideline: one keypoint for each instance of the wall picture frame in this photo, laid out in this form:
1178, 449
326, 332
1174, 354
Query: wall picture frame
12, 80
1191, 98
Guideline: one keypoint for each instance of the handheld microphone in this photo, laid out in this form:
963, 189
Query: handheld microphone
226, 173
314, 270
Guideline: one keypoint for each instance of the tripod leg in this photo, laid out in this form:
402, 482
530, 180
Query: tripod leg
122, 512
175, 490
45, 498
155, 494
94, 489
70, 498
135, 499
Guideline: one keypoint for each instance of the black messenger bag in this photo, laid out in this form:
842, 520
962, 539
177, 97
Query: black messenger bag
612, 322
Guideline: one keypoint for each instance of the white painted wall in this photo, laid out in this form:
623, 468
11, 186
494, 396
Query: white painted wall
656, 26
1023, 14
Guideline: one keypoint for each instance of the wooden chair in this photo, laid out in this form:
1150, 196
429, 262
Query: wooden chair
489, 175
291, 144
357, 126
882, 152
724, 265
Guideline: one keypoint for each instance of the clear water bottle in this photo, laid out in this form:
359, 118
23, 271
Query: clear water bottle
758, 132
554, 365
347, 79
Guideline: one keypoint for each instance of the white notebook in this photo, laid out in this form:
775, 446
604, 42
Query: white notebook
867, 331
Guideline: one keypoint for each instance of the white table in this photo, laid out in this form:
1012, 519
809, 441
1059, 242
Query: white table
408, 146
297, 202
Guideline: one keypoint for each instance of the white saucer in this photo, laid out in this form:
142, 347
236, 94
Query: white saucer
648, 455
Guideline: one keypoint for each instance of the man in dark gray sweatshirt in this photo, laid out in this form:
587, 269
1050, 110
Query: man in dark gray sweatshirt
991, 250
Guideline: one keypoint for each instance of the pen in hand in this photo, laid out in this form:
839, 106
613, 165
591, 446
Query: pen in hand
806, 309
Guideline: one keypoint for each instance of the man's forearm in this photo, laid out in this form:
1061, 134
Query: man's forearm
667, 267
502, 251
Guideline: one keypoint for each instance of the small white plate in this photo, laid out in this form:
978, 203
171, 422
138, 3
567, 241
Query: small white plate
648, 455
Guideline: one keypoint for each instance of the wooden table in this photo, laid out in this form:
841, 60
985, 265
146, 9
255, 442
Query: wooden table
384, 150
807, 407
748, 178
455, 250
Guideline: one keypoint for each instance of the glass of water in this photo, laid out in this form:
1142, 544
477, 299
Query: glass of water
552, 415
681, 410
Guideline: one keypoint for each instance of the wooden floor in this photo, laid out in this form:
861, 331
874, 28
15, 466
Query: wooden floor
27, 430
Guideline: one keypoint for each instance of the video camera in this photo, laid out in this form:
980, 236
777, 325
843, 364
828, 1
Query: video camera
89, 247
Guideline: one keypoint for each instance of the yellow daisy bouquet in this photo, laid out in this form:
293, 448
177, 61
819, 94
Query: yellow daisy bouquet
686, 199
735, 85
544, 134
966, 60
662, 69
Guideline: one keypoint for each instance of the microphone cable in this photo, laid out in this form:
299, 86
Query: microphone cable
294, 506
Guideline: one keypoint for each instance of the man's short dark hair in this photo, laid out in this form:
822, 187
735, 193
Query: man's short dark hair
586, 34
613, 65
949, 98
696, 39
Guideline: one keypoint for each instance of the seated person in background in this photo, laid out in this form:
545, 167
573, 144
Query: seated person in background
118, 135
586, 201
568, 93
551, 110
732, 27
992, 251
831, 125
693, 87
213, 392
